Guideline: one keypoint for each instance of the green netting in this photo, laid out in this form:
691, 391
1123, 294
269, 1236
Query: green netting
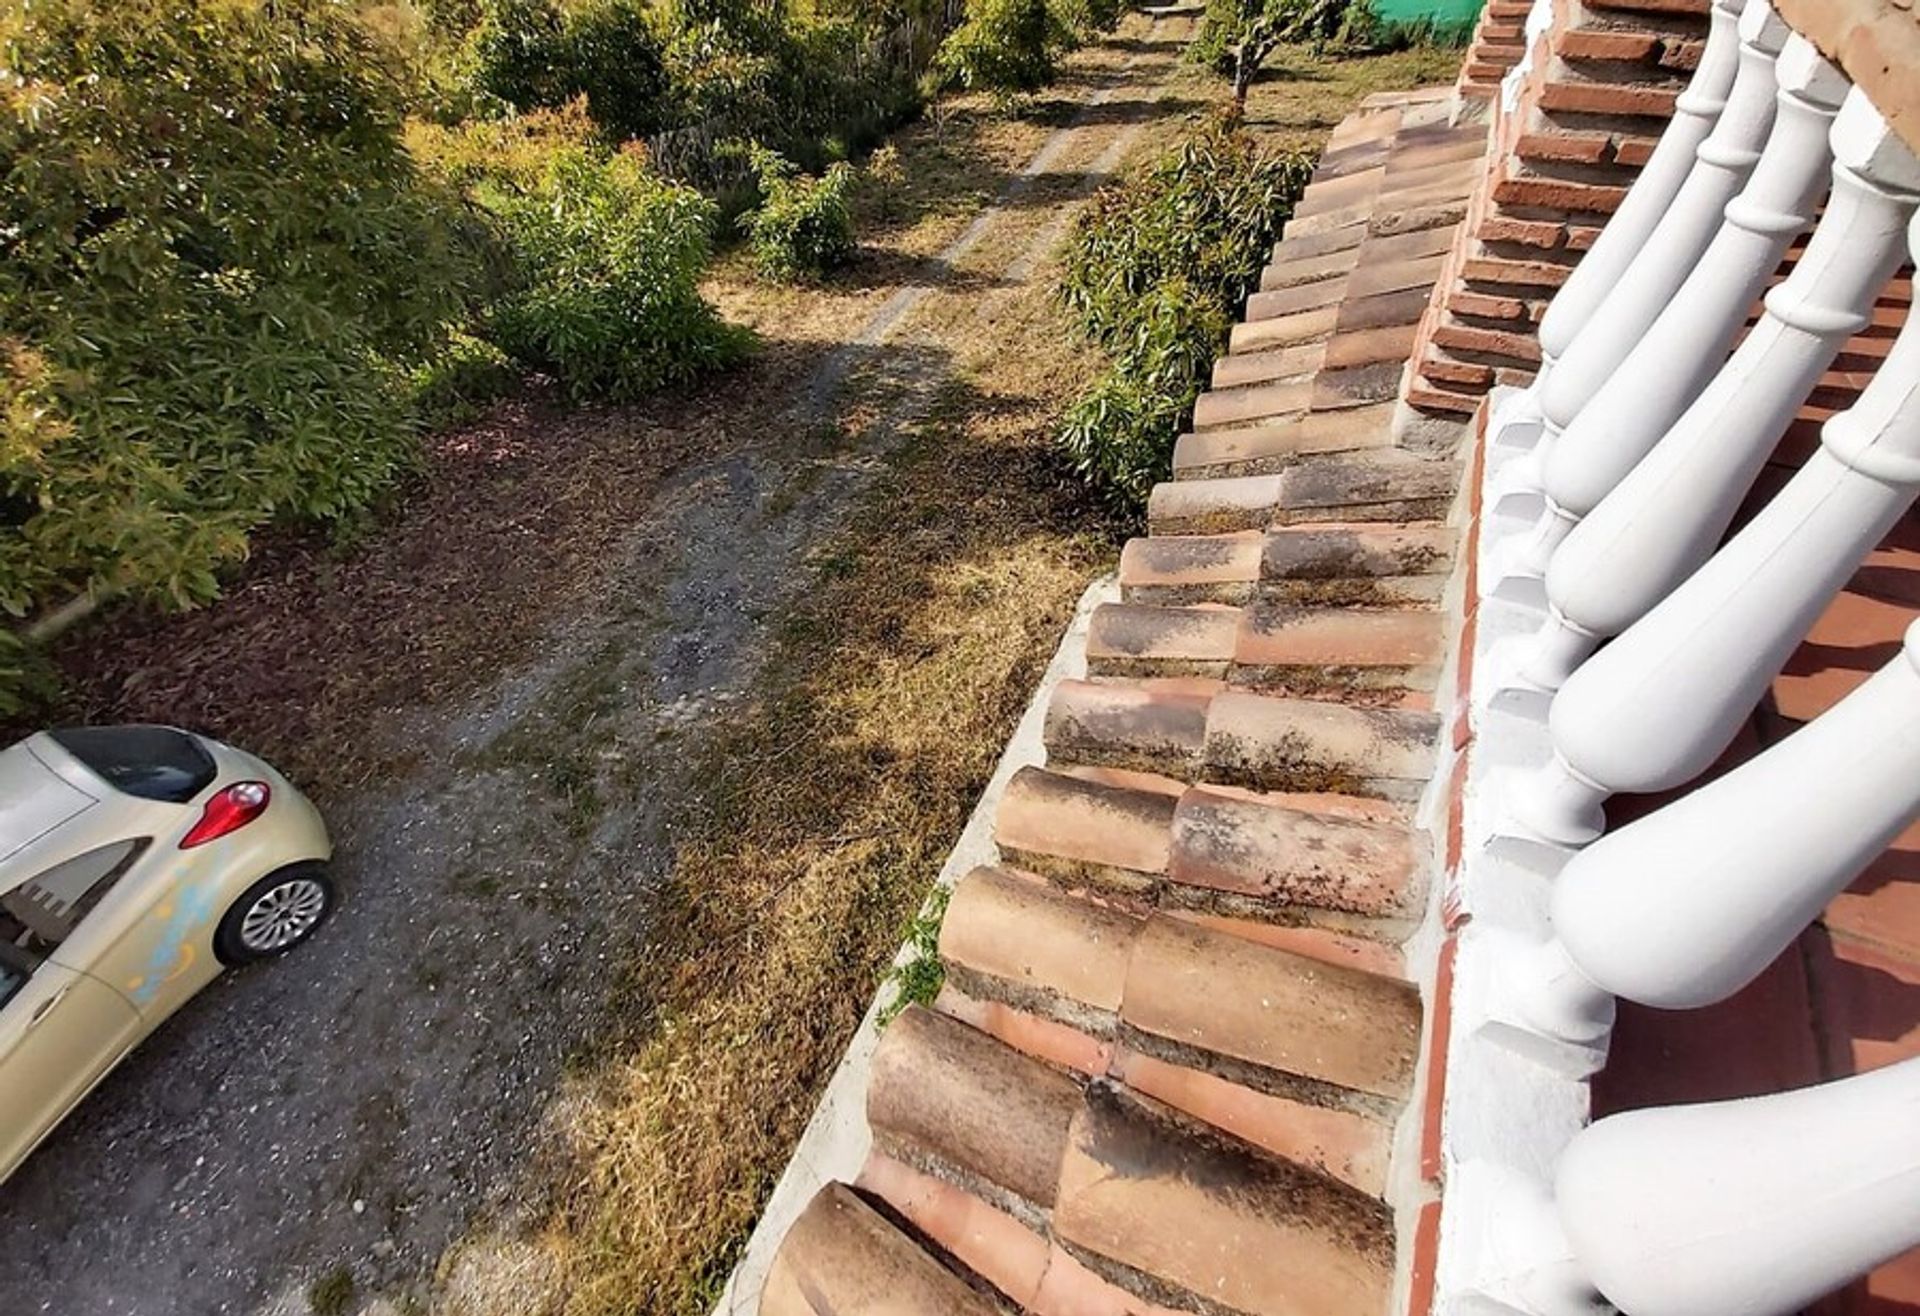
1440, 13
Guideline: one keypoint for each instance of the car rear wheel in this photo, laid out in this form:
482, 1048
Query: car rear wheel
275, 914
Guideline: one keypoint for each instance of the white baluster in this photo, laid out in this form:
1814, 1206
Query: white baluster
1694, 114
1721, 166
1666, 516
1746, 1208
1690, 339
1687, 905
1655, 708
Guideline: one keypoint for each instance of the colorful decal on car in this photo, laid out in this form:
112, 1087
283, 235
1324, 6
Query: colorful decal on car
174, 953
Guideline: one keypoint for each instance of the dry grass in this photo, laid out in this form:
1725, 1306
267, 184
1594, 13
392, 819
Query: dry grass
832, 802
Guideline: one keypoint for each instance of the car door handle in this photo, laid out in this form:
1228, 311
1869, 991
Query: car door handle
45, 1008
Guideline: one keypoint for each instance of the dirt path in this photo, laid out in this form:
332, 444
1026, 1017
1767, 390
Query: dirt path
320, 1131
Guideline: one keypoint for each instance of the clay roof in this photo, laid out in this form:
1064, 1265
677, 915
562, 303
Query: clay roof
1877, 42
1177, 1032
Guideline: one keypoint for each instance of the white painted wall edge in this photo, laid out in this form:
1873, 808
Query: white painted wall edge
835, 1142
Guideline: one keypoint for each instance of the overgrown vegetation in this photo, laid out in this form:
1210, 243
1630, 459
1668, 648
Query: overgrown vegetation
1005, 46
802, 226
606, 261
1153, 272
189, 353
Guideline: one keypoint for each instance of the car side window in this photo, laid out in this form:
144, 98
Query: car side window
43, 911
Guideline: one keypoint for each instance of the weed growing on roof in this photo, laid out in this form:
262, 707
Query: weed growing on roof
918, 980
1153, 272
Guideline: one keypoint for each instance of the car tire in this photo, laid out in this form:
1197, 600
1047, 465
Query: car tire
275, 914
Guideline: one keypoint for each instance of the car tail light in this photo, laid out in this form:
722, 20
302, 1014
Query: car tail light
229, 811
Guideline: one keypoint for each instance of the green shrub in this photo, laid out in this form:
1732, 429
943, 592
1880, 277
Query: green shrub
607, 258
617, 61
1152, 273
1089, 18
802, 227
519, 53
1119, 436
1005, 46
458, 384
218, 265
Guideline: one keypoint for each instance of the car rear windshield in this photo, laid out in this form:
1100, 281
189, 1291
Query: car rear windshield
154, 763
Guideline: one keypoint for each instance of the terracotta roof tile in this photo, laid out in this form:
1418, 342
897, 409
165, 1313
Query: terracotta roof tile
1357, 386
1316, 861
1348, 1147
1194, 994
1284, 330
1320, 244
1308, 745
1391, 485
1135, 639
989, 1242
1293, 362
1236, 405
1126, 726
1303, 297
1338, 648
1273, 445
952, 1101
1291, 270
843, 1258
1213, 506
1350, 950
1032, 946
1167, 1211
1035, 1035
1067, 825
1191, 568
1368, 563
1340, 552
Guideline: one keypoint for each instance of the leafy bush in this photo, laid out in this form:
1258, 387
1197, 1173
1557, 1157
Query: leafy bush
1152, 273
1004, 46
607, 258
461, 381
802, 227
218, 265
1088, 18
518, 53
528, 55
617, 61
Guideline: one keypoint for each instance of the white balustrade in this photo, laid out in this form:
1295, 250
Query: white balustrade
1687, 905
1648, 284
1745, 1208
1665, 518
1655, 708
1694, 114
1691, 337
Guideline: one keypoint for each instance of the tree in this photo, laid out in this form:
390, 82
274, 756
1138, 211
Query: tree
1240, 34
